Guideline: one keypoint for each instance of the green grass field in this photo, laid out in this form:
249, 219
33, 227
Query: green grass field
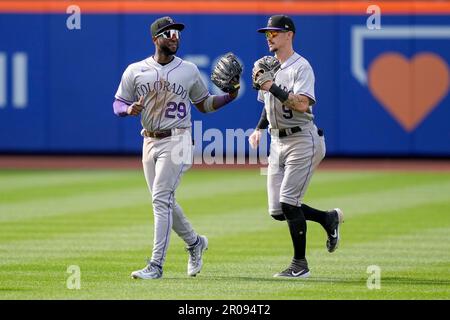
102, 222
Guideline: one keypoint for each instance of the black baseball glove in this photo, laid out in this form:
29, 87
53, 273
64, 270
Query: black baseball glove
264, 70
227, 73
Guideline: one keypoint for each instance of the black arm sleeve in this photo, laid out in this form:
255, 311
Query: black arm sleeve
263, 122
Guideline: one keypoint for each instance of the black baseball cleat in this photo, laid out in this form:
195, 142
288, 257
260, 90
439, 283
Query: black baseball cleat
297, 269
335, 220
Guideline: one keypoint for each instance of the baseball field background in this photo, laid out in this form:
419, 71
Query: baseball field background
100, 222
74, 224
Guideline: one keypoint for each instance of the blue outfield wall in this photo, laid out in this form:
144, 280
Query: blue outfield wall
72, 75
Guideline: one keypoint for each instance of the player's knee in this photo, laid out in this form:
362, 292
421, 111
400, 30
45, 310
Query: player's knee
279, 217
161, 201
292, 212
276, 213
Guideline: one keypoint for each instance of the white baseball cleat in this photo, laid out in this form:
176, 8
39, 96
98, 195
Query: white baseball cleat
195, 262
151, 271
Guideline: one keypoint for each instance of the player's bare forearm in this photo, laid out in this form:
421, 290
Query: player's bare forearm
297, 102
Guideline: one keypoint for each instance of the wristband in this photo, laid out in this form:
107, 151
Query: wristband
279, 93
120, 108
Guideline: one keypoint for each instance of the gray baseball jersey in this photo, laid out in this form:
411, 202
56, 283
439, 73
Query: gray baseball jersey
294, 76
294, 158
168, 91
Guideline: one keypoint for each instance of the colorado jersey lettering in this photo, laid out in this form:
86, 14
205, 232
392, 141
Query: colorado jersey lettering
168, 89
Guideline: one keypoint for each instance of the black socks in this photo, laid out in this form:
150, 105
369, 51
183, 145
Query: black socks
297, 228
314, 214
310, 214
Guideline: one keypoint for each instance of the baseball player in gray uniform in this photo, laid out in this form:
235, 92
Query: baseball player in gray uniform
161, 89
297, 145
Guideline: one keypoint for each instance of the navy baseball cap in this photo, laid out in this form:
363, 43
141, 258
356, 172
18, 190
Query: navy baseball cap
164, 23
279, 22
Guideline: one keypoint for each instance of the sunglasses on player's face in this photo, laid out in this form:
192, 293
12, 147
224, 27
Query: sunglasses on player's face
168, 34
273, 33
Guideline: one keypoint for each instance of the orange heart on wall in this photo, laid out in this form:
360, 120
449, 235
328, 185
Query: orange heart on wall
409, 89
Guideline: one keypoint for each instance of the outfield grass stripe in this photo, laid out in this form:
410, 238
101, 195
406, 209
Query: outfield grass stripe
393, 252
50, 227
38, 179
367, 204
48, 193
226, 225
95, 220
394, 255
394, 199
26, 179
393, 178
24, 187
11, 180
367, 228
236, 279
374, 184
321, 177
72, 204
136, 236
130, 196
115, 199
65, 185
28, 197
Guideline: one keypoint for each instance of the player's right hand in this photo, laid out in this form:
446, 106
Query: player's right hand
254, 138
137, 107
